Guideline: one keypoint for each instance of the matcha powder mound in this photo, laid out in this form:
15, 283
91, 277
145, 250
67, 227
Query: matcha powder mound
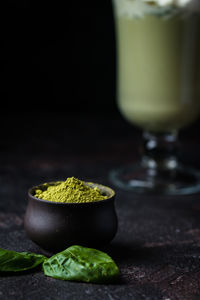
72, 190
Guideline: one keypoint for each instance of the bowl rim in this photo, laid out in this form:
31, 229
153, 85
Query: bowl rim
110, 198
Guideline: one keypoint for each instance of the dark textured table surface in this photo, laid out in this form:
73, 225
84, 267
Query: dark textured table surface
157, 246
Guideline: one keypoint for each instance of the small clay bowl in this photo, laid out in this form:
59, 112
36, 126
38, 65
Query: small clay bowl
55, 226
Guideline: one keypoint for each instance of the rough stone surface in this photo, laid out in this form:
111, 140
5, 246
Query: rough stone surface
157, 247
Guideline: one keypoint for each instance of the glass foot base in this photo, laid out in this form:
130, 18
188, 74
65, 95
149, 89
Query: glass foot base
181, 181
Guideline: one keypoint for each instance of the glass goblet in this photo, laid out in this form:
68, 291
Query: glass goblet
158, 67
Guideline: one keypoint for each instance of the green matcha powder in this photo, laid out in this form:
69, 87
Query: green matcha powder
71, 190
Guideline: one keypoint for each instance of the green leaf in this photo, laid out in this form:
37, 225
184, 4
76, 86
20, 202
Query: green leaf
78, 263
12, 261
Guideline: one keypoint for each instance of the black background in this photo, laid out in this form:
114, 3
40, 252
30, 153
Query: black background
55, 53
57, 57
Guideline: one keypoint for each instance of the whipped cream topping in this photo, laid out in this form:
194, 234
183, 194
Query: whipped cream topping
178, 3
162, 8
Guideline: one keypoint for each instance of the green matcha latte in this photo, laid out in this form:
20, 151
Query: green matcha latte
158, 50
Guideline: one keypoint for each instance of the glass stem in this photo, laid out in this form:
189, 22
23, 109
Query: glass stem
159, 152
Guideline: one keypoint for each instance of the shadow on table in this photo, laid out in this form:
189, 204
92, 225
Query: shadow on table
178, 254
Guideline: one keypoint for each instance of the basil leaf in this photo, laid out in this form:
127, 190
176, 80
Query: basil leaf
78, 263
12, 261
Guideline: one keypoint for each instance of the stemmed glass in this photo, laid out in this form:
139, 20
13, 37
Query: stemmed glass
158, 66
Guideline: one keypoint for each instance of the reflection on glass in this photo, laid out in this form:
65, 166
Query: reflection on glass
158, 53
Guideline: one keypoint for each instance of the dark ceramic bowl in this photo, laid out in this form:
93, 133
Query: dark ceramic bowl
55, 226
